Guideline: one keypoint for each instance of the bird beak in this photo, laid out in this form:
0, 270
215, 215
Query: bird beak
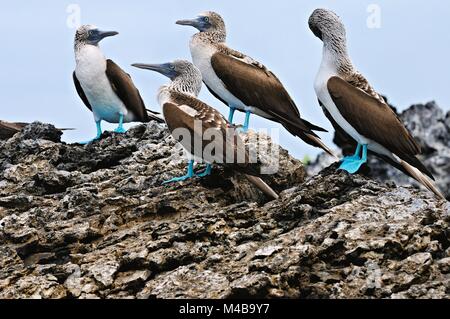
189, 22
105, 34
164, 69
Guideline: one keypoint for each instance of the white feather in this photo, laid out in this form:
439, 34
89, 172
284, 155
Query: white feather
91, 72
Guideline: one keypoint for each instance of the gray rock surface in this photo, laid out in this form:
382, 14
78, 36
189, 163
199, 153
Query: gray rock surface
430, 126
95, 222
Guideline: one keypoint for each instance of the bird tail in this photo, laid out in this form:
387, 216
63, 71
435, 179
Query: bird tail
423, 179
262, 186
155, 116
318, 142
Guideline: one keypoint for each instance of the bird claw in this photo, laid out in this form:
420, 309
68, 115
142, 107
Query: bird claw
352, 164
178, 180
120, 130
207, 172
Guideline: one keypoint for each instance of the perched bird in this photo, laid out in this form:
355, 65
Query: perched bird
243, 83
9, 129
353, 106
103, 86
205, 133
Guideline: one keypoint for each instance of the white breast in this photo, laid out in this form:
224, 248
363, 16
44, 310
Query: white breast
91, 72
201, 56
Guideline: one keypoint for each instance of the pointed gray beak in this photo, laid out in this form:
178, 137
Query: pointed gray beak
166, 69
189, 22
105, 34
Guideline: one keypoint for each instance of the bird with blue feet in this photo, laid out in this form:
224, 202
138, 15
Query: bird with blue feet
354, 107
206, 127
244, 84
106, 90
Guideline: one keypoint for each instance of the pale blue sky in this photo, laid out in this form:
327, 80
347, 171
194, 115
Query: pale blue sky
406, 59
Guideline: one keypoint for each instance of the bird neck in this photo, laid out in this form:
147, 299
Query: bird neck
87, 51
212, 37
187, 85
335, 54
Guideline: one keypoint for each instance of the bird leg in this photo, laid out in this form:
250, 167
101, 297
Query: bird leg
353, 163
207, 171
247, 121
231, 116
99, 134
190, 174
120, 129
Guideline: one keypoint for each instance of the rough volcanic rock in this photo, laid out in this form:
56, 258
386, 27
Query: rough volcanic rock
430, 126
95, 222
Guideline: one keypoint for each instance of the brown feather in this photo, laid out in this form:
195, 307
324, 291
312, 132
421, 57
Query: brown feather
256, 86
81, 92
8, 130
210, 119
372, 118
125, 89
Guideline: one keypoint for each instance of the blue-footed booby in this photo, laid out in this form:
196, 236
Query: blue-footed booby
353, 106
207, 129
243, 83
103, 86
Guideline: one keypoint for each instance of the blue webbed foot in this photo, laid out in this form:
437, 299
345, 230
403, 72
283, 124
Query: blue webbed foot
190, 174
353, 164
207, 172
178, 179
89, 142
120, 130
99, 134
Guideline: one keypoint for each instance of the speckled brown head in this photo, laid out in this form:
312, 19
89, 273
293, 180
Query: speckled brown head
90, 34
327, 26
206, 22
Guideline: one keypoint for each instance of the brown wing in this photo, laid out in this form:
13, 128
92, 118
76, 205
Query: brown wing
81, 92
372, 118
8, 130
125, 89
256, 86
178, 116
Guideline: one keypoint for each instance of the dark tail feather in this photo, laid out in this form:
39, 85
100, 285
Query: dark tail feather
414, 161
317, 142
155, 116
423, 179
314, 127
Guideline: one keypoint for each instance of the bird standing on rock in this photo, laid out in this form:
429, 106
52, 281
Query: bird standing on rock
243, 83
353, 106
208, 137
103, 86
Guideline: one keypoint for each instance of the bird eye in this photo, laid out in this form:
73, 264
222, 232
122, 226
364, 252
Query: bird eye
206, 19
172, 67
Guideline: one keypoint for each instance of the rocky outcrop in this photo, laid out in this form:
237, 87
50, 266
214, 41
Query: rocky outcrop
430, 126
95, 222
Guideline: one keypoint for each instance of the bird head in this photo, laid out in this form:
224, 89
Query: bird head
90, 34
172, 70
326, 25
206, 22
185, 76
